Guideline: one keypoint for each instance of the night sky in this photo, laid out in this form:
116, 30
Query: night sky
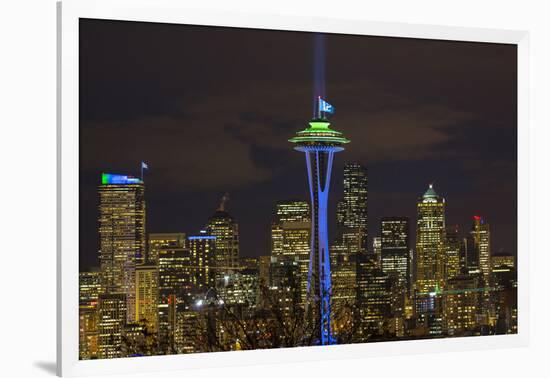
210, 110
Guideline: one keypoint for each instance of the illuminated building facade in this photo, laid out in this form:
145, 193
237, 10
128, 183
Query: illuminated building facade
481, 237
112, 319
343, 258
454, 262
319, 143
159, 241
291, 237
122, 235
89, 291
189, 325
395, 248
203, 254
249, 263
239, 288
500, 260
226, 231
87, 333
175, 266
89, 288
374, 297
176, 282
147, 296
285, 284
352, 209
462, 299
505, 284
430, 260
344, 285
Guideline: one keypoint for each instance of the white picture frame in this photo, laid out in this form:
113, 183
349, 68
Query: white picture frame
173, 11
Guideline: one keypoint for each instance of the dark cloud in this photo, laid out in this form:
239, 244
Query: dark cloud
211, 111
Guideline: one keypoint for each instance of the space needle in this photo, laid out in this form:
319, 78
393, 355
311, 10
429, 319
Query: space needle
319, 143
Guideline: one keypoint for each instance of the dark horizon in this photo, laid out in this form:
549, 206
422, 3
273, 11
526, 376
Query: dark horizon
210, 109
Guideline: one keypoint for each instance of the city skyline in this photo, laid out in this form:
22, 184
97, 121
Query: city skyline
431, 256
440, 129
151, 303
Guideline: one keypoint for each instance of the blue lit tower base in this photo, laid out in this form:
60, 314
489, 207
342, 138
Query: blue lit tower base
319, 143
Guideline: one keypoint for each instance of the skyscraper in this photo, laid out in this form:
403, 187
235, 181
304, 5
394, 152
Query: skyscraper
112, 319
203, 254
122, 235
481, 237
454, 263
430, 260
395, 248
291, 237
225, 229
352, 209
319, 143
147, 296
175, 284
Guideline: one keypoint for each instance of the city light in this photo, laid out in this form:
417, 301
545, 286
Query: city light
113, 179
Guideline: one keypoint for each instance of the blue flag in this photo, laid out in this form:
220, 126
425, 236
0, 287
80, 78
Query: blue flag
325, 107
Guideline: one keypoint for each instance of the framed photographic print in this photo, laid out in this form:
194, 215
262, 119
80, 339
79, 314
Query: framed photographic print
234, 188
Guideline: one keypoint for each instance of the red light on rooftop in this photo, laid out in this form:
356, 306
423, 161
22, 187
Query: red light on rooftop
477, 217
